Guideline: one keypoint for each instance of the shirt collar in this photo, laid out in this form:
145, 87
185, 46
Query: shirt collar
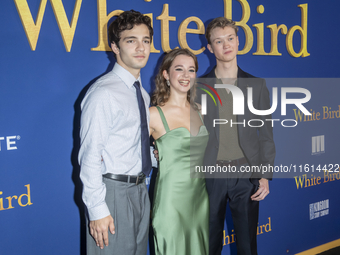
125, 75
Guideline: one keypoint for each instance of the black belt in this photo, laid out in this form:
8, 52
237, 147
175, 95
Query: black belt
235, 162
126, 178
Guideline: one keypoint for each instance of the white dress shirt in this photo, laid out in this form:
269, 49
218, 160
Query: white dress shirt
110, 130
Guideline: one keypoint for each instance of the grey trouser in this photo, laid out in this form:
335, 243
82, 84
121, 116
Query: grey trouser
129, 206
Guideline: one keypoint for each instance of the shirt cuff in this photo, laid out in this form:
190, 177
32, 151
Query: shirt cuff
98, 212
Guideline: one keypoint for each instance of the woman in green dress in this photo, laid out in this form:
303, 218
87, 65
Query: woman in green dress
180, 213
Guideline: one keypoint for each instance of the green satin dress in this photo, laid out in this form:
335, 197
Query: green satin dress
180, 214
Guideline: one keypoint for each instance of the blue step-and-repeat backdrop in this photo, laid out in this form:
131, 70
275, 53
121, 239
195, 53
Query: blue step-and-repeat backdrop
52, 51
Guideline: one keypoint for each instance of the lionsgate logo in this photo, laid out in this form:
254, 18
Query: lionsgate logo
318, 209
301, 96
9, 142
318, 145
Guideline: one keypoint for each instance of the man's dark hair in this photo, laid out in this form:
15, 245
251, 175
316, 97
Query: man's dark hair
126, 21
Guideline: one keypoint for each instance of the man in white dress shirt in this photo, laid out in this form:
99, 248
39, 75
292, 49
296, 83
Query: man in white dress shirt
111, 135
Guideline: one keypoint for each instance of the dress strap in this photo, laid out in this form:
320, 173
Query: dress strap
165, 123
199, 114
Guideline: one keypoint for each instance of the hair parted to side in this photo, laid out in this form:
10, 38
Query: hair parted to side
221, 22
126, 21
162, 92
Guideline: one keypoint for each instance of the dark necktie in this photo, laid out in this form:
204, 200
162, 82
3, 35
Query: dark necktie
145, 139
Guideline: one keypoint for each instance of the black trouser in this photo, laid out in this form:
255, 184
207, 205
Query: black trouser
237, 192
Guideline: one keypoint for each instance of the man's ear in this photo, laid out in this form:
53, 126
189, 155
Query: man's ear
210, 48
115, 48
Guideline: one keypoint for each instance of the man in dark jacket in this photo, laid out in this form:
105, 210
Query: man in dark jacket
236, 144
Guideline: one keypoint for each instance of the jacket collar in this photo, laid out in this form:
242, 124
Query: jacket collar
240, 73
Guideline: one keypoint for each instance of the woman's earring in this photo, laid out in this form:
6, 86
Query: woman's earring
168, 83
